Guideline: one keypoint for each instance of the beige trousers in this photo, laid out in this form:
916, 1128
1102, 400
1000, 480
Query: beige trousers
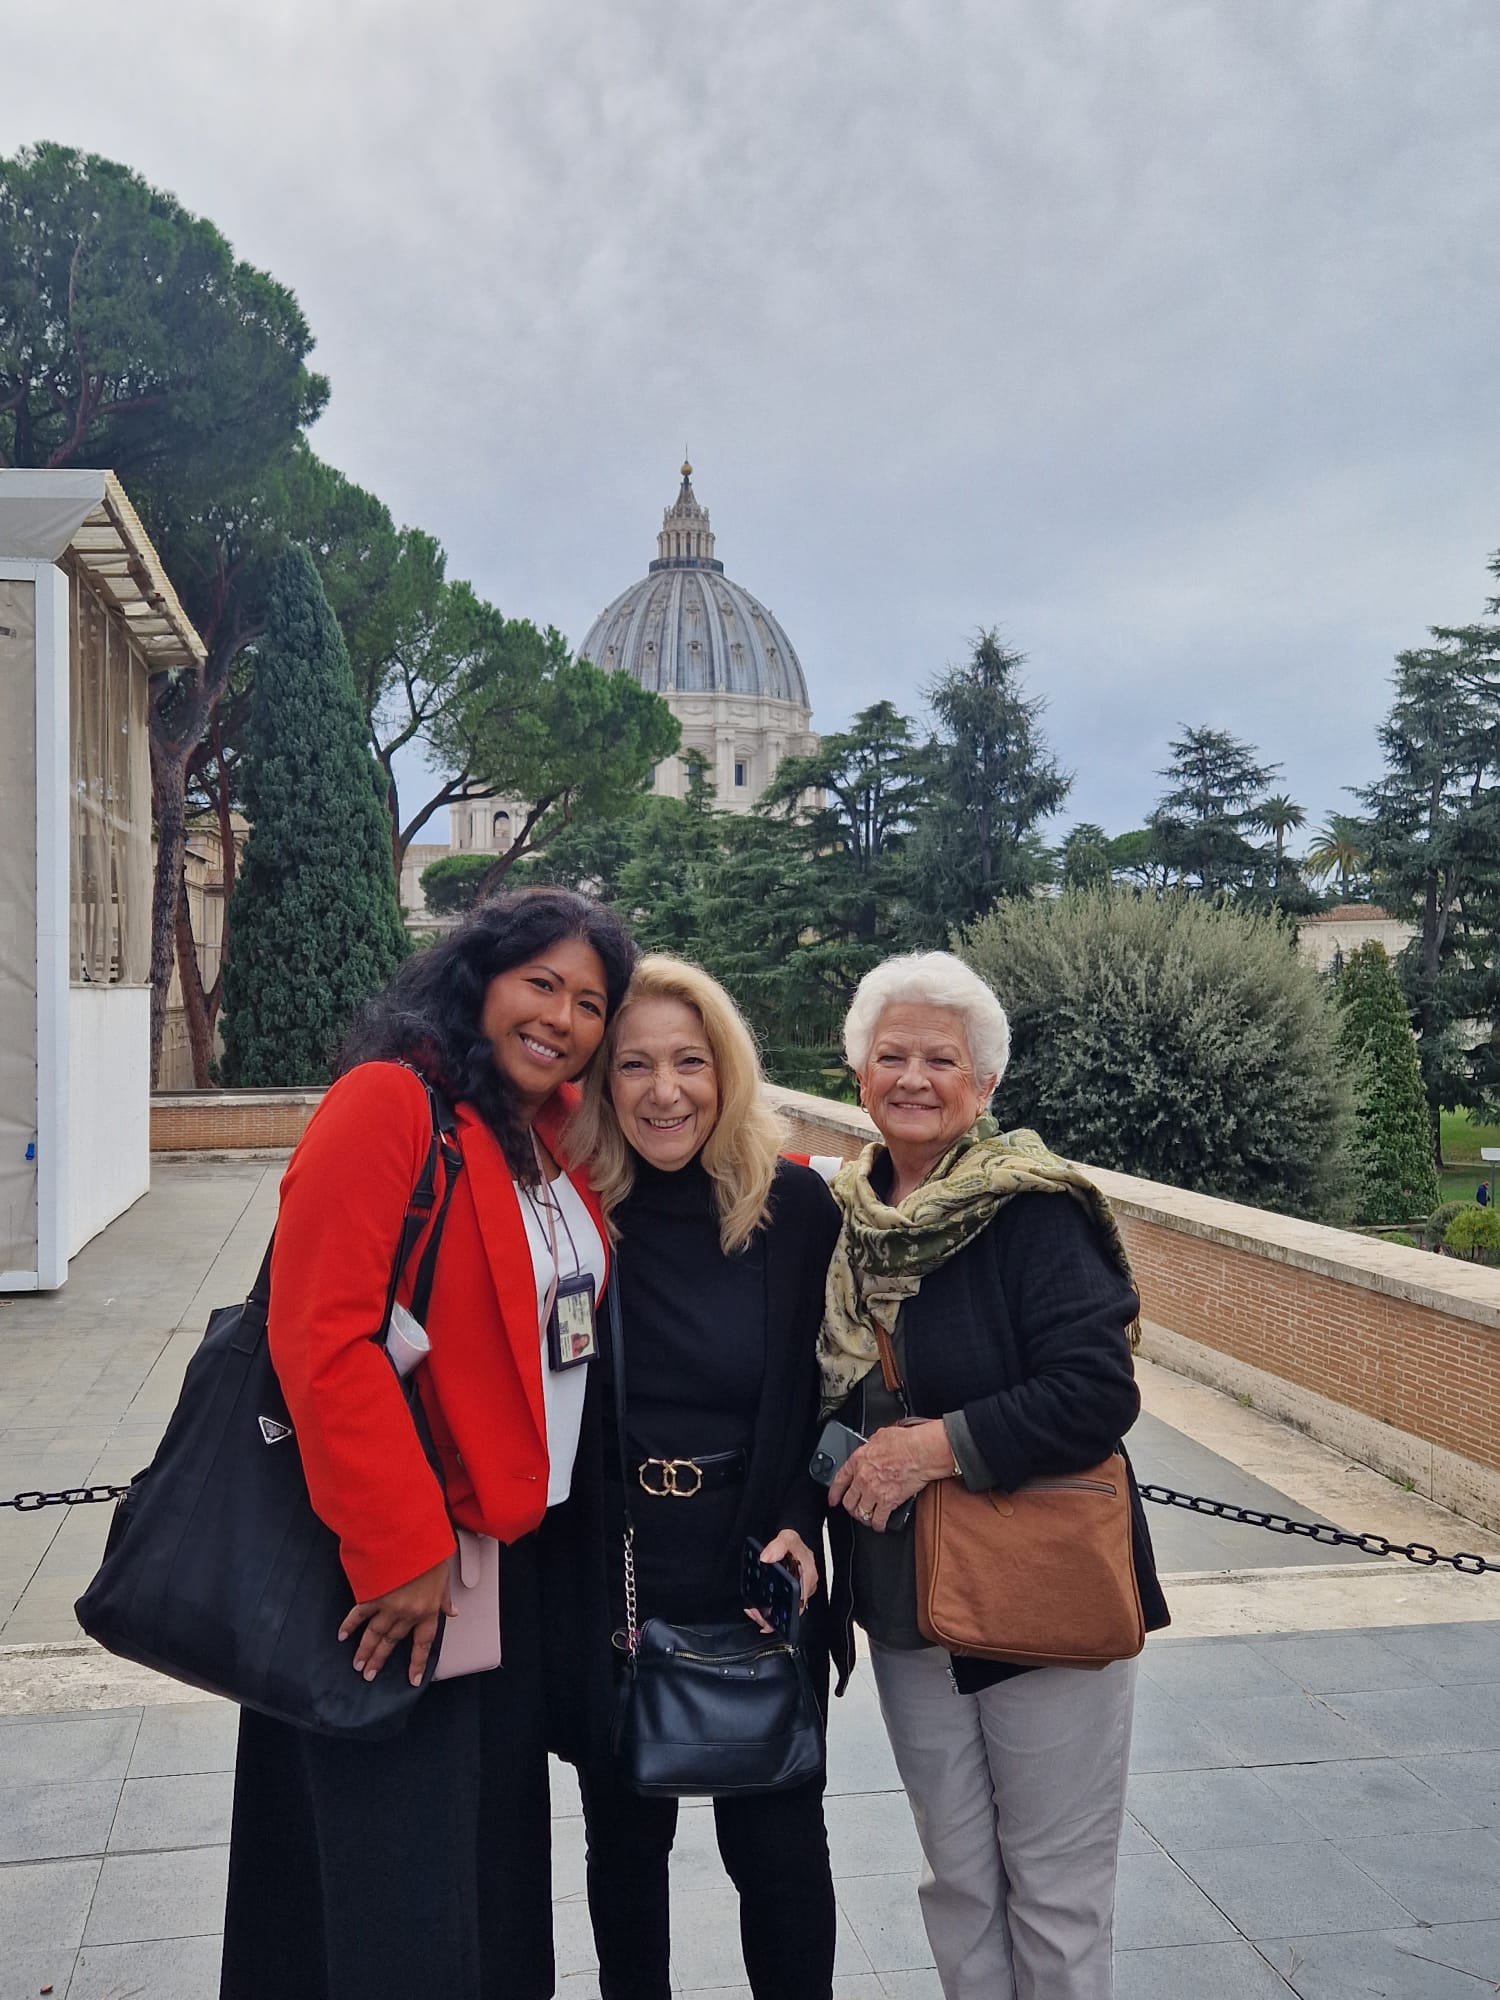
1019, 1797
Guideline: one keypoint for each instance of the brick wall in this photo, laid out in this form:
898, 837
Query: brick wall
215, 1121
1398, 1361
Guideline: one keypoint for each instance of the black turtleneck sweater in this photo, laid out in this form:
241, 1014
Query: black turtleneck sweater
695, 1320
695, 1353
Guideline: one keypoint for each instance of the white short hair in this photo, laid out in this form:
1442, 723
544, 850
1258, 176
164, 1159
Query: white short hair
930, 979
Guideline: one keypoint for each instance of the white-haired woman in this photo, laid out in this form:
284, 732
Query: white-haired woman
722, 1255
997, 1269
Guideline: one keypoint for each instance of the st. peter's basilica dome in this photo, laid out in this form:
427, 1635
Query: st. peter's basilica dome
715, 654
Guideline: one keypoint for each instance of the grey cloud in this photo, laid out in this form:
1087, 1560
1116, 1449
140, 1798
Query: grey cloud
1158, 334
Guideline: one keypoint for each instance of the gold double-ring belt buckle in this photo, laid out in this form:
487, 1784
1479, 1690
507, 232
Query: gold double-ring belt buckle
670, 1471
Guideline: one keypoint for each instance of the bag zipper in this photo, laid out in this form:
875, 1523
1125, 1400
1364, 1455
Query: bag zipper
728, 1659
1065, 1485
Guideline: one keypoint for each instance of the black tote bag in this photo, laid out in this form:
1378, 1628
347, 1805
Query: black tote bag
217, 1572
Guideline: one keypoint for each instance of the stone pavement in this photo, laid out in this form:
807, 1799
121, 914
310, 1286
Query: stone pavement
1315, 1801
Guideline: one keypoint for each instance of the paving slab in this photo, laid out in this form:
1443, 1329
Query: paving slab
1453, 1962
1195, 1971
1292, 1888
1342, 1801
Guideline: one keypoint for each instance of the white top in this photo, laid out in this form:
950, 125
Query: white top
562, 1393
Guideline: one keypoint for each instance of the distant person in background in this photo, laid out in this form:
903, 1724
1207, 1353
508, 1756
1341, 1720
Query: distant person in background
1482, 1194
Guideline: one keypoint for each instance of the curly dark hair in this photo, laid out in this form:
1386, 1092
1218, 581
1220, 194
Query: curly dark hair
429, 1015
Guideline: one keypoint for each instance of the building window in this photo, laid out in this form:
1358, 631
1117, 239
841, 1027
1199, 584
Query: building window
739, 771
110, 872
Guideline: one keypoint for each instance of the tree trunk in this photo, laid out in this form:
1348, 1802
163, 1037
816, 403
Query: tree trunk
228, 868
169, 786
194, 999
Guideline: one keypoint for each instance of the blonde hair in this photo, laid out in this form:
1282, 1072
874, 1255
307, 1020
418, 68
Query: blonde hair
741, 1153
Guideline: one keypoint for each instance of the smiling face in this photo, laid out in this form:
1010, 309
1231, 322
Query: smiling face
919, 1086
544, 1019
662, 1082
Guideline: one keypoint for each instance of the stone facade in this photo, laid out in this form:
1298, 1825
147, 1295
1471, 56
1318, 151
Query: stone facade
1326, 940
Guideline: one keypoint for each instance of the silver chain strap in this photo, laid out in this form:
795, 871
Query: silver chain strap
632, 1629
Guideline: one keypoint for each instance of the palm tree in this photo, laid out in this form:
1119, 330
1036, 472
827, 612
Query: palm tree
1338, 848
1278, 816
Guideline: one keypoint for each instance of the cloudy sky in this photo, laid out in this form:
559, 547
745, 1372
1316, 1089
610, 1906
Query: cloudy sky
1161, 335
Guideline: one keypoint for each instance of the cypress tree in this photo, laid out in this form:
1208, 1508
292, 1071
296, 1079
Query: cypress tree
314, 923
1392, 1139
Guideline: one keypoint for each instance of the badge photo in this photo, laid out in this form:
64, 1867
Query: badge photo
572, 1331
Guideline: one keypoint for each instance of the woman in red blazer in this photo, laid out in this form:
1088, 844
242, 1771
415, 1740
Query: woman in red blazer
421, 1864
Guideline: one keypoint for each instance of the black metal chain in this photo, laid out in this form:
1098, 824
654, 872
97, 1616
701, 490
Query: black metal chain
1421, 1553
70, 1496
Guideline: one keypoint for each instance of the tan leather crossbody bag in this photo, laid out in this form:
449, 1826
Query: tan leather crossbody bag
1042, 1577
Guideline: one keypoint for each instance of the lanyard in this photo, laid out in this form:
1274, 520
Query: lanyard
547, 1213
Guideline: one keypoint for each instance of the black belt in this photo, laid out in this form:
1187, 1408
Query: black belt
685, 1478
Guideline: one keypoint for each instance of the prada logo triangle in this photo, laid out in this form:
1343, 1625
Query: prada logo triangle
274, 1432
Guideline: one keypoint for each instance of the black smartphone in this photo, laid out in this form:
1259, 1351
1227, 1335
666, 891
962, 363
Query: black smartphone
773, 1589
836, 1443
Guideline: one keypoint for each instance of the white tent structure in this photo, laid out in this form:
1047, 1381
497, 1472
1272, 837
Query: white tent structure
86, 617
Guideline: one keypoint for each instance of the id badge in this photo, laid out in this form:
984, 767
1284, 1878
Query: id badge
572, 1331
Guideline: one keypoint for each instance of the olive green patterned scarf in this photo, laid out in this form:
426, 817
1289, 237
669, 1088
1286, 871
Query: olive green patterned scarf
883, 1253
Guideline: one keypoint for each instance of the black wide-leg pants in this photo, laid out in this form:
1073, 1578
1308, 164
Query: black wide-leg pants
775, 1849
417, 1865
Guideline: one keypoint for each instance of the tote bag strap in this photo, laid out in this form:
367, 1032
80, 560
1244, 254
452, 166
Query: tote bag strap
443, 1145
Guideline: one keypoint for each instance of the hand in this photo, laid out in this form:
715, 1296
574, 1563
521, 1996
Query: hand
896, 1463
788, 1547
410, 1608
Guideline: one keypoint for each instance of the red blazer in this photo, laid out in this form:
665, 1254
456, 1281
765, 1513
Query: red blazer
342, 1202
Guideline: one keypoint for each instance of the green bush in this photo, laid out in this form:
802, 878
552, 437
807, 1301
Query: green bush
451, 883
1391, 1147
314, 924
1474, 1233
1174, 1039
1399, 1236
1435, 1228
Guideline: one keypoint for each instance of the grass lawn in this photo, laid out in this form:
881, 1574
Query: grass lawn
1462, 1141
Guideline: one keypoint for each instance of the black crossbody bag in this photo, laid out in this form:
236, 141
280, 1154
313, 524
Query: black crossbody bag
217, 1571
705, 1711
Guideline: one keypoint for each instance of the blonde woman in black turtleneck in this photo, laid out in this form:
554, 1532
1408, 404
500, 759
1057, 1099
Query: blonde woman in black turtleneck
723, 1250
